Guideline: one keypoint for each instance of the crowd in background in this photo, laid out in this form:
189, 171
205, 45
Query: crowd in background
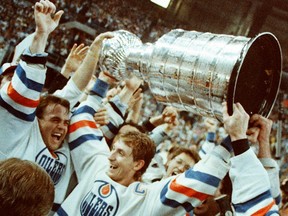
15, 25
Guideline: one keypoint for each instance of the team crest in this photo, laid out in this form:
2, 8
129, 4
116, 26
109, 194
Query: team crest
102, 200
54, 166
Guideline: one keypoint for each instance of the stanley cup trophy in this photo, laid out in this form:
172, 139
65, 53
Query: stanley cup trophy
196, 71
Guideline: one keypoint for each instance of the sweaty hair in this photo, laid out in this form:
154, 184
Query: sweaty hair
50, 99
25, 189
143, 148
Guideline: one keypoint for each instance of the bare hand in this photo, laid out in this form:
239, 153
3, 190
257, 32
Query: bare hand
133, 83
136, 98
45, 17
211, 124
76, 56
260, 131
236, 125
170, 115
96, 45
101, 117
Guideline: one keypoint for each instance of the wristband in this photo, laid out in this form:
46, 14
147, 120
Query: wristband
226, 143
34, 59
240, 146
100, 88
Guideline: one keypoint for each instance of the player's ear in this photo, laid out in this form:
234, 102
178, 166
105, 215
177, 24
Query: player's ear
138, 164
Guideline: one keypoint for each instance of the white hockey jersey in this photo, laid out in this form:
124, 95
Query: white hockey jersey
97, 194
20, 134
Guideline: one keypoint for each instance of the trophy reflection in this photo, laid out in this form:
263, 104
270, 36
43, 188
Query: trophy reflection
196, 71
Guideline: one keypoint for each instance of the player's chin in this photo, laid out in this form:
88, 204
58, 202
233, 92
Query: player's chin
53, 146
111, 174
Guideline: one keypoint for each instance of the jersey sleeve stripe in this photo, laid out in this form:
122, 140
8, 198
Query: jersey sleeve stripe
173, 203
203, 177
82, 139
85, 123
85, 109
112, 128
15, 96
243, 207
30, 84
187, 191
264, 210
278, 199
16, 113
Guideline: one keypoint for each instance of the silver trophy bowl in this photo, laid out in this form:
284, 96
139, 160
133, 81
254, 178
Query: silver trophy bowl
115, 51
197, 71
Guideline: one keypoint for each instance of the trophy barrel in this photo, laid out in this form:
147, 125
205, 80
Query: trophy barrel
197, 71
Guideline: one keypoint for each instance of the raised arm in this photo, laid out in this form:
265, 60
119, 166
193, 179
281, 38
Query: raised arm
46, 21
251, 187
73, 61
85, 71
81, 78
84, 133
135, 105
260, 132
20, 97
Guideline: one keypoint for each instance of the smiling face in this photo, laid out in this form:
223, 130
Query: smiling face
179, 164
122, 165
54, 125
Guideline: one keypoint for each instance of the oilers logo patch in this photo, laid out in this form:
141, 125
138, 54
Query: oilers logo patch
54, 166
102, 200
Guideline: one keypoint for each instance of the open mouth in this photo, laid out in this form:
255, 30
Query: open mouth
57, 136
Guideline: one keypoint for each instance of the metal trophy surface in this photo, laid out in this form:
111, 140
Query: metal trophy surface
115, 51
196, 71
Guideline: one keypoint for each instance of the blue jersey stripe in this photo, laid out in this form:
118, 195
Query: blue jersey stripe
272, 212
84, 109
82, 139
16, 113
61, 212
278, 199
173, 203
243, 207
30, 84
203, 177
112, 128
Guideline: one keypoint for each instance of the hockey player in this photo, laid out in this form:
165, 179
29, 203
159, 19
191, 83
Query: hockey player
35, 129
109, 181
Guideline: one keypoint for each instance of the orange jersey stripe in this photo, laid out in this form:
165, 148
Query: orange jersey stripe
264, 210
187, 191
15, 96
79, 124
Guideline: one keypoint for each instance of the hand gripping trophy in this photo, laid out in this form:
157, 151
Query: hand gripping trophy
196, 71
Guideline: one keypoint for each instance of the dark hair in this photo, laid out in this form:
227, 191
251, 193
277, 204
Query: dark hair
25, 188
9, 70
143, 148
284, 186
132, 124
48, 99
192, 153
